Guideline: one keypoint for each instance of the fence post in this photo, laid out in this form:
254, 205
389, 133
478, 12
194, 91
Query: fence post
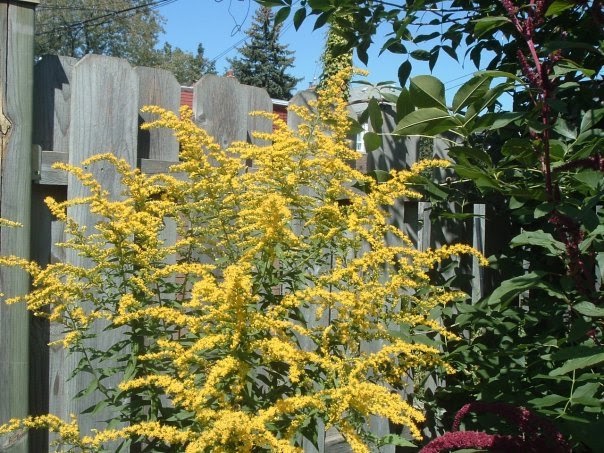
16, 88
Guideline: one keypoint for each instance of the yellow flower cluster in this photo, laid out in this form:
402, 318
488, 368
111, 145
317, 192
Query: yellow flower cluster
279, 304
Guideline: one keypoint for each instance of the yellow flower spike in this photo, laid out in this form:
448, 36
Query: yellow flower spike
255, 320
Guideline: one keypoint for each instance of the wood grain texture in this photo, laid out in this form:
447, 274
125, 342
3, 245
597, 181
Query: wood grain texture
257, 100
157, 87
52, 94
104, 119
220, 107
302, 98
16, 86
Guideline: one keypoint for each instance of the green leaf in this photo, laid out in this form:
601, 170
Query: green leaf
503, 74
282, 14
471, 90
420, 54
547, 401
585, 394
591, 118
520, 149
486, 24
481, 178
372, 141
395, 439
514, 286
593, 236
404, 105
591, 178
428, 122
322, 19
561, 127
588, 309
559, 6
299, 17
494, 121
540, 239
428, 91
403, 72
375, 115
467, 154
578, 363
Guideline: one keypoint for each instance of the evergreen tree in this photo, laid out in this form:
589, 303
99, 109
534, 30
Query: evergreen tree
264, 61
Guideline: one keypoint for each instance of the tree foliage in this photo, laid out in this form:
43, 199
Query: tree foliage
264, 61
535, 339
120, 28
126, 29
186, 67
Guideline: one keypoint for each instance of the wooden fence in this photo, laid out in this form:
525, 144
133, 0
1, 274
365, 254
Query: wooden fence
90, 106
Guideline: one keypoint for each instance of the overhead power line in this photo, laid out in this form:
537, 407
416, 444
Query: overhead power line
107, 17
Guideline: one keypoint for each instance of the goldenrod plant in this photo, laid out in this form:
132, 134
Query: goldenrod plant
287, 299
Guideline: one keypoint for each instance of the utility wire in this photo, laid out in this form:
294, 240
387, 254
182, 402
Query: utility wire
108, 17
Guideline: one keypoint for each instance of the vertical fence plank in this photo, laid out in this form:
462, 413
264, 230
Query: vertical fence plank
220, 107
257, 100
302, 99
16, 87
157, 87
52, 92
104, 118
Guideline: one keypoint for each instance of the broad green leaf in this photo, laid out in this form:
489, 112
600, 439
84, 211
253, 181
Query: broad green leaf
404, 105
558, 6
481, 178
420, 54
469, 154
486, 24
593, 236
561, 127
372, 141
511, 288
520, 149
591, 178
494, 121
403, 72
299, 17
539, 238
428, 91
282, 14
375, 115
588, 309
503, 74
578, 363
585, 394
395, 439
471, 90
591, 118
547, 401
428, 122
322, 19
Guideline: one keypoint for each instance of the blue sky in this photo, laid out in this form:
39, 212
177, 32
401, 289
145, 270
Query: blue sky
220, 24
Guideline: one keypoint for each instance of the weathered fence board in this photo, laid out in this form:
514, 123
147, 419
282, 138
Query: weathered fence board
221, 106
16, 87
157, 87
104, 118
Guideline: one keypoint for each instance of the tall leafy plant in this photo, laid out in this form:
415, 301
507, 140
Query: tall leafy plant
278, 308
535, 339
